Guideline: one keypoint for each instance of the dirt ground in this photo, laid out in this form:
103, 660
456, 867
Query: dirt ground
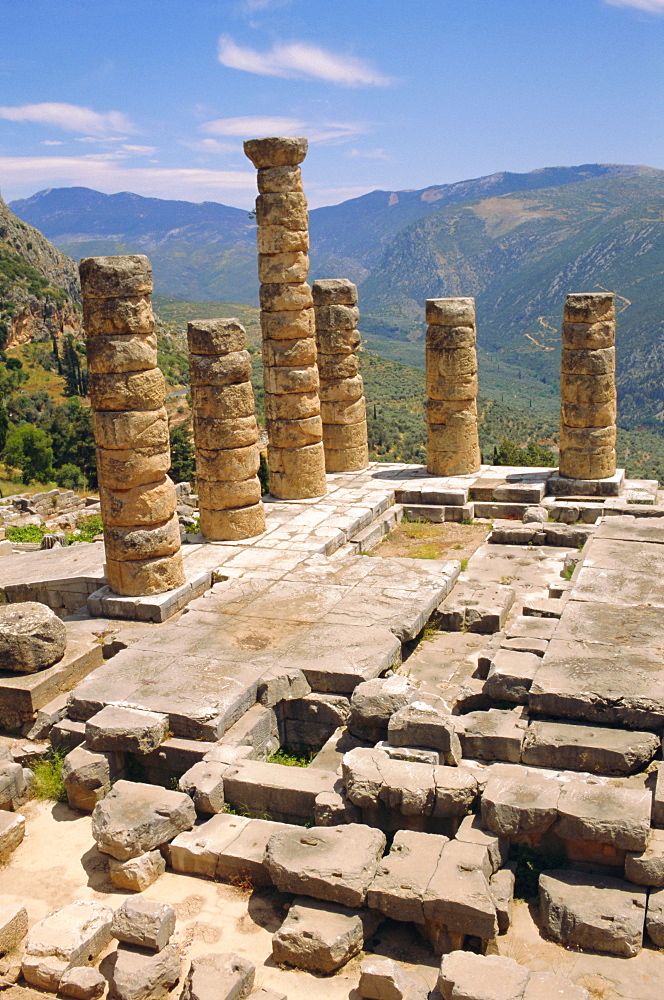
423, 540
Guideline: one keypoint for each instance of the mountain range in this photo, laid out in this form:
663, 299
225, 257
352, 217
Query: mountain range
518, 242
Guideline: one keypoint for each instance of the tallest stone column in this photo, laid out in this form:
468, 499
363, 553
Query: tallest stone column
296, 458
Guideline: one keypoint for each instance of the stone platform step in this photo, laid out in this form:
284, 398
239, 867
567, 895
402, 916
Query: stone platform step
370, 536
474, 607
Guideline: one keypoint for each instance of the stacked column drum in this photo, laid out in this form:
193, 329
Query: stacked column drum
225, 431
451, 370
292, 408
588, 387
127, 389
343, 407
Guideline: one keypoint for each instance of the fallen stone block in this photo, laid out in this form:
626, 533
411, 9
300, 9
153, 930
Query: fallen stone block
466, 976
82, 983
458, 895
32, 637
470, 697
544, 607
226, 846
403, 876
129, 730
511, 675
136, 874
73, 935
13, 785
527, 627
373, 702
383, 979
593, 912
619, 816
66, 735
204, 782
493, 735
13, 926
140, 976
219, 977
334, 808
456, 791
422, 725
534, 514
476, 607
87, 777
135, 818
372, 778
336, 863
471, 831
502, 890
655, 918
276, 790
311, 720
144, 922
281, 683
523, 534
525, 645
519, 802
321, 937
597, 749
647, 867
12, 832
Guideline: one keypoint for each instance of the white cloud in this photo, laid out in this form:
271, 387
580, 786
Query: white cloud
209, 146
257, 125
142, 150
23, 175
652, 6
299, 60
367, 154
69, 117
52, 142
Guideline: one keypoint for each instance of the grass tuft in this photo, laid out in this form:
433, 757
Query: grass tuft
48, 778
292, 756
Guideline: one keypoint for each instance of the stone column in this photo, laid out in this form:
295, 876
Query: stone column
588, 387
452, 443
225, 431
130, 424
343, 407
292, 409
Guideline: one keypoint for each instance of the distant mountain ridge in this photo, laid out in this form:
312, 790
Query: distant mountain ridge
518, 242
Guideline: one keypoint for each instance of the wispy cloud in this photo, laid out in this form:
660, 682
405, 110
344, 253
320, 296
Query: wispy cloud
22, 175
254, 6
651, 6
367, 154
248, 126
301, 61
209, 146
70, 117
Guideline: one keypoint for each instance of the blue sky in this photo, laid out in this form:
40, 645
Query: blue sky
155, 96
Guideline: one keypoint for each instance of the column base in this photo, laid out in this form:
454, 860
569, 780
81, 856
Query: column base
612, 486
104, 603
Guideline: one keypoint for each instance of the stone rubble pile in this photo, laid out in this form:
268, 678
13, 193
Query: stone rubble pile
225, 431
343, 407
292, 408
130, 424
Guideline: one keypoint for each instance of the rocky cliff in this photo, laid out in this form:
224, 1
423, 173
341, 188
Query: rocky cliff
39, 287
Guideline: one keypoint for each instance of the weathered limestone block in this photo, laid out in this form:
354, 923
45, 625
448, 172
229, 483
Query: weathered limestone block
204, 782
658, 799
502, 889
471, 831
276, 789
144, 922
87, 777
321, 937
466, 976
403, 876
511, 675
619, 816
276, 151
383, 979
12, 832
518, 801
82, 983
32, 637
289, 353
214, 432
281, 684
655, 918
422, 725
459, 895
13, 926
140, 976
295, 433
588, 412
127, 392
135, 818
451, 361
597, 749
493, 735
125, 729
593, 912
336, 863
647, 867
225, 846
136, 874
219, 977
71, 936
232, 525
373, 702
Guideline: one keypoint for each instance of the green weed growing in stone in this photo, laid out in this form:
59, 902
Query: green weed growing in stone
48, 778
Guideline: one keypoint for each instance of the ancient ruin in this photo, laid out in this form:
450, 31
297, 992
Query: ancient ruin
453, 447
295, 448
343, 407
141, 531
588, 387
225, 431
478, 813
